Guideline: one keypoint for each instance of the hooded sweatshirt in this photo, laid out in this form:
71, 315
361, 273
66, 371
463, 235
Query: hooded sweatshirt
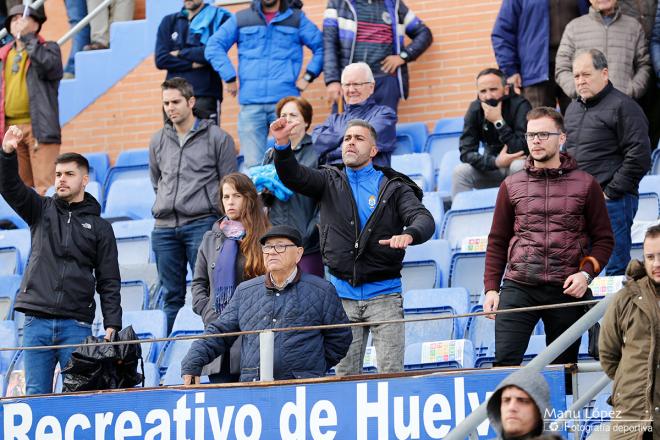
534, 385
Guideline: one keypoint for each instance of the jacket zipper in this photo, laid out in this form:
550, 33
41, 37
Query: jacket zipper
178, 176
67, 235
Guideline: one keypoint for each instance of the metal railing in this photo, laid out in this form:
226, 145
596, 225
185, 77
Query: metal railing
84, 22
469, 426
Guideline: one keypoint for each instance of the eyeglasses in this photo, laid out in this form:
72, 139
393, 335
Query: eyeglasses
542, 135
16, 65
355, 85
279, 248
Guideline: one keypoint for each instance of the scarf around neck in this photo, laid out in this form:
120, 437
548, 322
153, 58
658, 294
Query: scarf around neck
224, 273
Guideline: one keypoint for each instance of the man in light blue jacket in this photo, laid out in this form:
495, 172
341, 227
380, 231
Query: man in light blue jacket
270, 35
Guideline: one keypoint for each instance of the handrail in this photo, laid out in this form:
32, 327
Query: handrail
84, 22
543, 359
568, 415
35, 4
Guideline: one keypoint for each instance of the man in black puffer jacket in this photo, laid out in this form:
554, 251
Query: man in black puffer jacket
284, 297
607, 134
73, 253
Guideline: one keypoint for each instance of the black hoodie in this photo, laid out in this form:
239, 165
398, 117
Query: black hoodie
73, 252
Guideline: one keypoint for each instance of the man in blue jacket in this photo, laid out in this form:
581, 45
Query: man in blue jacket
180, 45
372, 31
284, 297
270, 37
525, 37
357, 86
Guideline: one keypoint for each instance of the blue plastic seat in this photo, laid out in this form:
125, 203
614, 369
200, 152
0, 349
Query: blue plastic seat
434, 203
426, 265
649, 207
467, 271
9, 287
535, 346
8, 215
134, 241
99, 163
151, 375
449, 126
481, 331
445, 138
436, 301
650, 184
655, 162
139, 156
134, 295
130, 198
478, 198
459, 224
449, 358
129, 164
14, 250
417, 166
445, 172
637, 252
187, 322
8, 338
148, 324
410, 138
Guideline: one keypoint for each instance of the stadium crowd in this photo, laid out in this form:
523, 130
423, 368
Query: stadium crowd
565, 126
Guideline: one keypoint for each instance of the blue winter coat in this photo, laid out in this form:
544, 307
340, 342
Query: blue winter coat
340, 27
328, 137
256, 305
270, 56
521, 39
173, 34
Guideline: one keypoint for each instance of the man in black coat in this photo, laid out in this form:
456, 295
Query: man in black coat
73, 253
369, 216
496, 119
607, 134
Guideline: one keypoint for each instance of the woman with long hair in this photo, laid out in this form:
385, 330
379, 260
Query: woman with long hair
299, 211
229, 254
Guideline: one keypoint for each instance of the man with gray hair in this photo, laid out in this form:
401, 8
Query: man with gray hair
619, 36
357, 87
607, 134
369, 216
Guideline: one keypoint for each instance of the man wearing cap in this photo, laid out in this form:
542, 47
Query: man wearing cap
283, 297
30, 79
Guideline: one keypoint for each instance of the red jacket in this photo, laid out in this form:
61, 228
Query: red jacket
545, 222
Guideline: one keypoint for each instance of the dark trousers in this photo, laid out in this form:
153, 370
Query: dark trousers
387, 91
513, 330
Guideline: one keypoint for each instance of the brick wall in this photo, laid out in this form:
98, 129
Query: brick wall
442, 80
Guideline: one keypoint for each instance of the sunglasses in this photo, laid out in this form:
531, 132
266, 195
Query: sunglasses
15, 67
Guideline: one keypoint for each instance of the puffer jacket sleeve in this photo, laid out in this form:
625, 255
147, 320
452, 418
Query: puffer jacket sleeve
218, 46
418, 220
331, 67
504, 37
46, 57
564, 61
641, 66
25, 201
203, 351
307, 181
313, 39
335, 341
419, 34
514, 136
610, 339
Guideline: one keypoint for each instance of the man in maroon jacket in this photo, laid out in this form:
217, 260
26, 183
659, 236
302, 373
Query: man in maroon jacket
552, 234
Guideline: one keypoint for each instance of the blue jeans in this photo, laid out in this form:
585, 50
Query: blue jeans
253, 124
76, 10
174, 248
40, 364
622, 212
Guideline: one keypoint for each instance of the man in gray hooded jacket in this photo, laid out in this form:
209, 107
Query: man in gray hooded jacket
518, 406
187, 159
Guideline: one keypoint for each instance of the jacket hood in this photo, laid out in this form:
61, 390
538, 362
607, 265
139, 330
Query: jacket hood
530, 382
89, 205
635, 270
567, 164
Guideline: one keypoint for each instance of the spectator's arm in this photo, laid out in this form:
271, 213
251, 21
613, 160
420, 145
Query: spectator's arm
384, 122
312, 38
299, 178
328, 136
331, 49
504, 37
469, 144
654, 45
599, 228
154, 169
418, 220
336, 341
193, 55
201, 288
501, 232
24, 200
564, 62
225, 152
164, 60
46, 58
632, 134
218, 46
513, 136
203, 351
419, 34
108, 280
610, 339
641, 66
